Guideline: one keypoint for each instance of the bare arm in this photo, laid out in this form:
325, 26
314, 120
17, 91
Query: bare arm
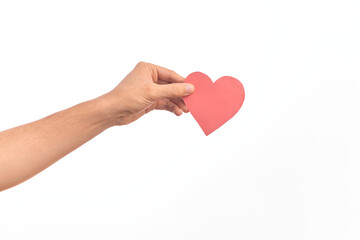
28, 149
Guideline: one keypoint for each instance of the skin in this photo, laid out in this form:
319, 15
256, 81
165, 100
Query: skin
29, 149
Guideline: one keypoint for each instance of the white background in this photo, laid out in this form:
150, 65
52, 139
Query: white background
285, 167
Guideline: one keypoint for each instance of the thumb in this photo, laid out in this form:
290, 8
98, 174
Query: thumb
174, 90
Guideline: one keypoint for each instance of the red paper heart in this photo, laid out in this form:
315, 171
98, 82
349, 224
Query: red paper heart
213, 104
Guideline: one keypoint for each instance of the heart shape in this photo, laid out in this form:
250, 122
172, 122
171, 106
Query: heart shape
213, 104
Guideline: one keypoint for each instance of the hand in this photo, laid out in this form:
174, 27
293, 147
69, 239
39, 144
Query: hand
145, 88
45, 141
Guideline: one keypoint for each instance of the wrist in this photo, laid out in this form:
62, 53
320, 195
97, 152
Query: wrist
110, 109
103, 111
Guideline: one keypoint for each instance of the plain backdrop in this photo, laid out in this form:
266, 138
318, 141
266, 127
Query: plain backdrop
287, 166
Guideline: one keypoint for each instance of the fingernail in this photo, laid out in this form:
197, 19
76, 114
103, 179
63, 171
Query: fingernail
189, 88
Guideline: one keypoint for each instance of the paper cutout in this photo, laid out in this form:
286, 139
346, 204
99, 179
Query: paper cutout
213, 104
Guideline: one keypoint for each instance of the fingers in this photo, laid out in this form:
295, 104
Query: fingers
165, 104
161, 74
174, 90
162, 82
177, 101
167, 75
181, 104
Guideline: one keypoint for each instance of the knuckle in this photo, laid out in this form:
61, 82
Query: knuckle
173, 90
167, 106
141, 64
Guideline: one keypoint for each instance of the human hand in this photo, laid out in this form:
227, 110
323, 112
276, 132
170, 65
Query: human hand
145, 88
45, 141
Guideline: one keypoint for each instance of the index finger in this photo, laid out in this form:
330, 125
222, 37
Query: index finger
168, 75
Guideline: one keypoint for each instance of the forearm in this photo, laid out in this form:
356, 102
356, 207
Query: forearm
28, 149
